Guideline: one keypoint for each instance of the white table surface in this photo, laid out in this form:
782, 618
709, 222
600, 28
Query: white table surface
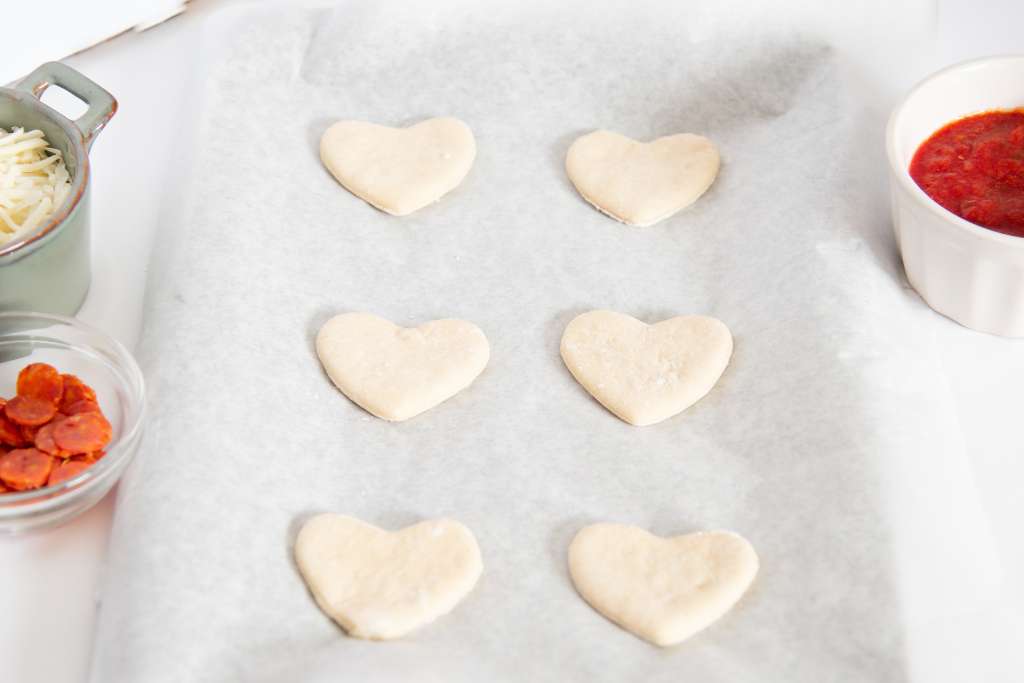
49, 582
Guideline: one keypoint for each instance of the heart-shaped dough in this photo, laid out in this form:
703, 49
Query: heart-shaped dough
646, 373
661, 589
399, 170
398, 372
380, 584
641, 183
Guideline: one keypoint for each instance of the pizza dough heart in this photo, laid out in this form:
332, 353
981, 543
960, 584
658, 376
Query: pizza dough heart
646, 373
641, 183
663, 590
399, 170
379, 584
396, 372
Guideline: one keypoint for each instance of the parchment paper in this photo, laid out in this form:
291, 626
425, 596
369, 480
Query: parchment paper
830, 441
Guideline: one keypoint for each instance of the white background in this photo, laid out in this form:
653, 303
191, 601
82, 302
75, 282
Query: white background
48, 582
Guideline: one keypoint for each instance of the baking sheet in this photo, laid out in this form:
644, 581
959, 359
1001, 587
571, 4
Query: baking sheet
830, 442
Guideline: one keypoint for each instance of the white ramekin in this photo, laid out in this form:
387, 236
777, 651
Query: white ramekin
971, 274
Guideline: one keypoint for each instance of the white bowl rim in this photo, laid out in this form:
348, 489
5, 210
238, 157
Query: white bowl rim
903, 173
46, 495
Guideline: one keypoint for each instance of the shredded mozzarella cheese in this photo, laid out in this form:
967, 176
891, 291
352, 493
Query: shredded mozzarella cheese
33, 182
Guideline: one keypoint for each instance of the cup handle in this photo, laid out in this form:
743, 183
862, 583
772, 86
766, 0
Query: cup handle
102, 105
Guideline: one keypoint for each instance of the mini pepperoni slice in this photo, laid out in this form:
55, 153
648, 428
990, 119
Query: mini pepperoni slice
83, 406
67, 470
75, 390
45, 442
10, 433
25, 468
83, 433
40, 380
89, 457
92, 457
30, 411
29, 433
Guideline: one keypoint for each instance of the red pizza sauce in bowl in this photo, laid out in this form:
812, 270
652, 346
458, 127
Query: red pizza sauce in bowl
974, 167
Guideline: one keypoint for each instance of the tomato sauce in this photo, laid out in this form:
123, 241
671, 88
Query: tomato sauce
974, 167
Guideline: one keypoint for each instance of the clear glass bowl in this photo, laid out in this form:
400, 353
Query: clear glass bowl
102, 363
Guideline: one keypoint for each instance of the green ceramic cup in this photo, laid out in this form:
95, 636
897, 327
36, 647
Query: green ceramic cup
48, 270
